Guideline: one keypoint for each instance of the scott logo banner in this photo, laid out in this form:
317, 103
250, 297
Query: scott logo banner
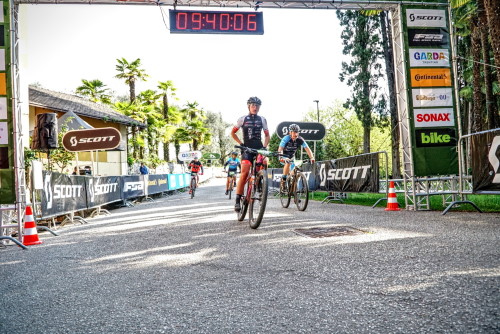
62, 194
103, 190
353, 174
426, 18
485, 152
308, 130
91, 139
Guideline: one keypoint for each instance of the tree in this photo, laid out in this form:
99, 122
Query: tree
131, 72
362, 42
168, 90
221, 142
95, 90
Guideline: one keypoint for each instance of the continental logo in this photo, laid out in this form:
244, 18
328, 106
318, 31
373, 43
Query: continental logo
435, 137
424, 77
432, 97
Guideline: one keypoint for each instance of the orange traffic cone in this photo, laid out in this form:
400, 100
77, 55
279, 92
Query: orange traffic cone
30, 236
392, 201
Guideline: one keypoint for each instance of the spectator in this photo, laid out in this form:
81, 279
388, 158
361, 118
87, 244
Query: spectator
143, 169
75, 171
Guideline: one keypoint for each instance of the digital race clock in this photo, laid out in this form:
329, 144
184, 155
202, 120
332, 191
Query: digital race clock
216, 22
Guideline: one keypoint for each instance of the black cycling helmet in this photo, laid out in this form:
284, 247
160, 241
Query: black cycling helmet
254, 99
294, 128
234, 153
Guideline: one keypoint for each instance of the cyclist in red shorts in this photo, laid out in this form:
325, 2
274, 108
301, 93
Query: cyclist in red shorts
252, 126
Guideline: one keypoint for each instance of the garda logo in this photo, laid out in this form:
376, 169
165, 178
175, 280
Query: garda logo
493, 158
429, 57
427, 118
425, 18
432, 97
435, 137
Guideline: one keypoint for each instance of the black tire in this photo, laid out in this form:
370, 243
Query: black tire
243, 204
301, 192
285, 194
259, 199
193, 186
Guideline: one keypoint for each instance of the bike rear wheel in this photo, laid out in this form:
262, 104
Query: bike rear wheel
259, 199
285, 195
193, 186
301, 192
244, 201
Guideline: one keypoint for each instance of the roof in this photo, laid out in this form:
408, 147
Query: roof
44, 98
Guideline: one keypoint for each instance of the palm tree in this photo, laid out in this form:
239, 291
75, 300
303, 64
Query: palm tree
131, 72
167, 88
94, 89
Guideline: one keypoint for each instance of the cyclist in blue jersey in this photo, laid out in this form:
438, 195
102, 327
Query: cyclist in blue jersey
289, 144
252, 126
234, 164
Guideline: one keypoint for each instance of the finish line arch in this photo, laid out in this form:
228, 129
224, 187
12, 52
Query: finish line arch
426, 22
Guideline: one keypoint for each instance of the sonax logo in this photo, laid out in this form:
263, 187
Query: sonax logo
426, 118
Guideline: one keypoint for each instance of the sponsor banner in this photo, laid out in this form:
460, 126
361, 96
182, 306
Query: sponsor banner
133, 186
430, 77
177, 181
353, 174
426, 18
428, 37
427, 118
432, 97
429, 57
188, 156
485, 152
157, 183
103, 190
91, 139
435, 137
308, 130
62, 194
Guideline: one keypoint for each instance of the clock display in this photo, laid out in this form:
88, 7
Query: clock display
216, 22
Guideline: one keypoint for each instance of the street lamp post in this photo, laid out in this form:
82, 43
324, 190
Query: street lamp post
317, 107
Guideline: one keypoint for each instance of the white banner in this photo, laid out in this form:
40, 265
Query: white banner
429, 57
188, 156
429, 118
432, 97
426, 18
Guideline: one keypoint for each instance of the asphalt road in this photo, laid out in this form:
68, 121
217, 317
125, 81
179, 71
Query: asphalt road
180, 265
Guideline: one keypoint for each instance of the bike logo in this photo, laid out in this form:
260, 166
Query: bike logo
73, 141
48, 191
322, 175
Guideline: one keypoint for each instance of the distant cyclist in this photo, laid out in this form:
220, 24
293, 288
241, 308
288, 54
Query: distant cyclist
252, 126
289, 145
195, 167
233, 164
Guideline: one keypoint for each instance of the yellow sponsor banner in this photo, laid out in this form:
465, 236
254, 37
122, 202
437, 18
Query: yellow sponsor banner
430, 77
3, 84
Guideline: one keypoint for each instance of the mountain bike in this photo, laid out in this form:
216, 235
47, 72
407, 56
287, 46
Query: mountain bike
254, 198
192, 184
232, 182
296, 186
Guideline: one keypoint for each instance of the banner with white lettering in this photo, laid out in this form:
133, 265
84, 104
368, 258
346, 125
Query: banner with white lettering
62, 194
157, 183
353, 174
485, 156
103, 190
133, 186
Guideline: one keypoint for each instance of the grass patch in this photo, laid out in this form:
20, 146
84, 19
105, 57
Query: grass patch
487, 203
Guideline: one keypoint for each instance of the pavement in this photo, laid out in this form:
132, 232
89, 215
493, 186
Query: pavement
181, 265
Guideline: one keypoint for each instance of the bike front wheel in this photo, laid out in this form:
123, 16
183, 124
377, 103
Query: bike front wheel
285, 194
258, 199
244, 202
301, 192
193, 187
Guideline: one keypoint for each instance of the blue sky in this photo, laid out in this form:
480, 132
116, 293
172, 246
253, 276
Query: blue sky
296, 61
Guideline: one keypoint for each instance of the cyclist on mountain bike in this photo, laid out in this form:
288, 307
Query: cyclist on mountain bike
289, 144
195, 166
234, 165
252, 126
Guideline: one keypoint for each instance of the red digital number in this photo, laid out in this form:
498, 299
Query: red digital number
252, 24
224, 22
238, 22
196, 18
211, 20
181, 18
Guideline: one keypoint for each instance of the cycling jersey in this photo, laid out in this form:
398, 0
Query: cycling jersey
290, 146
252, 126
233, 164
195, 166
